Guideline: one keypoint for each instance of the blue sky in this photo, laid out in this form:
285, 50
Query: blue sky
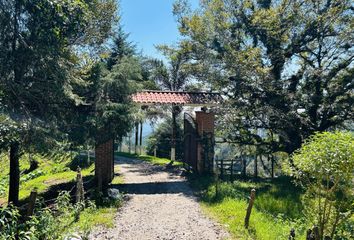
150, 22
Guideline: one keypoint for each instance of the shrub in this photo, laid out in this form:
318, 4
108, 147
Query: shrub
46, 223
324, 166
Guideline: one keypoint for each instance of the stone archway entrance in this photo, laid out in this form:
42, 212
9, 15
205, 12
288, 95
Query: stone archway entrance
198, 130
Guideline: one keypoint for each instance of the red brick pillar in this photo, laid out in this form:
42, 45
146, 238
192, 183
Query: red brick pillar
104, 164
205, 122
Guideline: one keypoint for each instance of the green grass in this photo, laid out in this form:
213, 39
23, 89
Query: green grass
49, 173
93, 217
277, 207
118, 179
100, 216
150, 159
53, 173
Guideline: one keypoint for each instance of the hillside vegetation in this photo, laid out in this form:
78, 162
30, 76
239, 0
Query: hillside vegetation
51, 178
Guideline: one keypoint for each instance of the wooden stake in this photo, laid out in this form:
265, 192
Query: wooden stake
272, 165
217, 181
292, 234
31, 204
222, 169
249, 208
79, 187
232, 171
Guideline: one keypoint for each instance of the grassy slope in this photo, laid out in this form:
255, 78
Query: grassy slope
48, 174
151, 159
276, 210
51, 174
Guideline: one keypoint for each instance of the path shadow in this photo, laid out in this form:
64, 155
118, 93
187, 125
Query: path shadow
176, 185
154, 188
146, 168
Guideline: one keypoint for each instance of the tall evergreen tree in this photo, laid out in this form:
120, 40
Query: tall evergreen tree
38, 45
121, 48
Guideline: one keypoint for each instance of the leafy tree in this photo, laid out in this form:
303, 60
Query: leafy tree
174, 77
324, 166
285, 67
39, 45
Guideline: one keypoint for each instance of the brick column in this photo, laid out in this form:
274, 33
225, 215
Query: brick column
205, 122
104, 163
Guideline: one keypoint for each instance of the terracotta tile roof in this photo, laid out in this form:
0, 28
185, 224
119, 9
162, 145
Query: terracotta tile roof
182, 98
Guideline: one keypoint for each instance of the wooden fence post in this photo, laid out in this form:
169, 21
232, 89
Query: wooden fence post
313, 234
272, 159
249, 208
79, 187
232, 171
31, 204
222, 169
292, 234
217, 172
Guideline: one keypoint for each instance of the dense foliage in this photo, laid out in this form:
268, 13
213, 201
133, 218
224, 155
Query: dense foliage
39, 56
325, 166
61, 79
285, 67
61, 221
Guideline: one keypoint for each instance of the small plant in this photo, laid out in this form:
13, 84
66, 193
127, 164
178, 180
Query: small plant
47, 223
3, 184
324, 166
8, 222
31, 175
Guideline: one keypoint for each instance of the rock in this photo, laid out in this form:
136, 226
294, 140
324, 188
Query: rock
114, 194
73, 236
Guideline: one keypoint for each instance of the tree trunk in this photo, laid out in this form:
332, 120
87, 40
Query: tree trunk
244, 165
136, 137
256, 167
14, 187
15, 146
141, 137
173, 137
272, 159
130, 142
88, 155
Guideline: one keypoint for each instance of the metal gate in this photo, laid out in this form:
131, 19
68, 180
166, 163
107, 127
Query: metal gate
190, 141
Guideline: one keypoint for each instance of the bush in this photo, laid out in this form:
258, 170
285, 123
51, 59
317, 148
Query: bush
324, 166
47, 223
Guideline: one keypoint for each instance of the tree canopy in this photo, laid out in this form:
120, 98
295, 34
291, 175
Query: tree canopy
285, 67
40, 44
41, 48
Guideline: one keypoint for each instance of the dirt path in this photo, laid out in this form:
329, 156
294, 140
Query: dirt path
160, 206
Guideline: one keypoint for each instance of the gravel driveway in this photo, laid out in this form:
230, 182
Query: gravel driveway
160, 205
